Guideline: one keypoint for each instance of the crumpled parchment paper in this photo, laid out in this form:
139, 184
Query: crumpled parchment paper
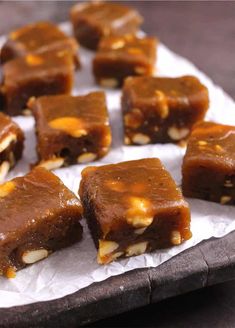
71, 269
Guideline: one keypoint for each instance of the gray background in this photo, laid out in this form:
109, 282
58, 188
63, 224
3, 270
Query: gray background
204, 32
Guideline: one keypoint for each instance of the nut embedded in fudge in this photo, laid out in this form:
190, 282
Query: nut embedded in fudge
31, 233
92, 21
209, 163
37, 37
35, 75
121, 56
11, 144
71, 129
162, 109
132, 208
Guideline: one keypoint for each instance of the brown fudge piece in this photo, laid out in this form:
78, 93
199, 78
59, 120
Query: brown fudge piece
37, 37
11, 145
133, 207
71, 129
162, 109
209, 163
36, 75
123, 56
30, 233
92, 21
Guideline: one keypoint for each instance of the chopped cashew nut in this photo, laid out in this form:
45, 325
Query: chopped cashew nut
86, 158
141, 139
136, 249
52, 164
140, 231
138, 215
225, 199
109, 83
228, 184
177, 133
5, 143
106, 251
71, 125
33, 256
162, 103
4, 169
176, 237
140, 70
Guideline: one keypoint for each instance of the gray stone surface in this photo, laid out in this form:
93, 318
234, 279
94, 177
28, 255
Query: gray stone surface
211, 262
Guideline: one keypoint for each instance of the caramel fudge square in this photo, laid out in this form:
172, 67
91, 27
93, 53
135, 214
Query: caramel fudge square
35, 75
121, 56
162, 109
71, 129
37, 37
38, 216
209, 163
132, 208
11, 144
94, 20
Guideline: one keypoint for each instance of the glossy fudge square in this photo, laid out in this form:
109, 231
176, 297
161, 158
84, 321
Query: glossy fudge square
29, 233
209, 163
11, 145
162, 110
36, 75
94, 20
37, 37
132, 208
123, 56
71, 129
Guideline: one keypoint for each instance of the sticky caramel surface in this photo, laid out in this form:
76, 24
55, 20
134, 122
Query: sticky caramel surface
35, 75
209, 163
105, 13
37, 211
42, 189
119, 199
180, 92
121, 56
92, 21
34, 65
78, 123
162, 109
36, 37
212, 143
129, 46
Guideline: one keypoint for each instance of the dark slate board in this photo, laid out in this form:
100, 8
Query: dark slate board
210, 262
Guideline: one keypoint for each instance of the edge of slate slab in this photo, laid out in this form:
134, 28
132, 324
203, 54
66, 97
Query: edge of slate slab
208, 263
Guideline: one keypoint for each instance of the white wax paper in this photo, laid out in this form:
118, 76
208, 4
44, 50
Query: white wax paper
71, 269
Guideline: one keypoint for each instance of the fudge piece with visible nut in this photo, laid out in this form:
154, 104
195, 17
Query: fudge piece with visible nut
37, 37
93, 21
121, 56
35, 75
162, 109
11, 144
31, 233
132, 208
71, 129
209, 163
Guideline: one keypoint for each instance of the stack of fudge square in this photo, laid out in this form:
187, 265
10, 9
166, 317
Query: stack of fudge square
130, 207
